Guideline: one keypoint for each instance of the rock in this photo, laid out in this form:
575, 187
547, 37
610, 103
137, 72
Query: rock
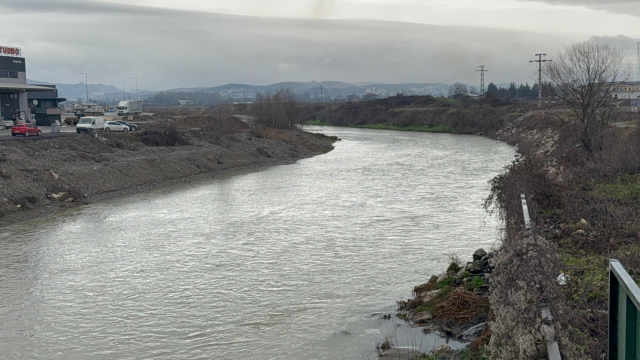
581, 232
58, 196
479, 254
583, 222
460, 273
473, 332
55, 176
442, 277
422, 317
443, 347
428, 295
474, 267
433, 279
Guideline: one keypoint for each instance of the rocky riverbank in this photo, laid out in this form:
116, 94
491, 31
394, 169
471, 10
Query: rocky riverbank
42, 175
454, 305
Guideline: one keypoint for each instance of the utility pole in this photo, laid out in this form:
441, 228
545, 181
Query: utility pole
105, 96
482, 71
86, 86
124, 92
540, 61
137, 94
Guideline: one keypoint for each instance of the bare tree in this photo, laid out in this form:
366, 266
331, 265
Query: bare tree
584, 78
280, 110
458, 89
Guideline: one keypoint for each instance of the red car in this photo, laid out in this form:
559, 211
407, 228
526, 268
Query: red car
23, 129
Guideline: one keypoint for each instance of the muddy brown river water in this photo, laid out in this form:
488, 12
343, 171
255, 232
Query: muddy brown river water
292, 262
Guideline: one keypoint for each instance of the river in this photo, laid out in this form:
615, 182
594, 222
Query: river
291, 262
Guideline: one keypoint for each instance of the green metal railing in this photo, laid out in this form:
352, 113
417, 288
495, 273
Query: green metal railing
624, 322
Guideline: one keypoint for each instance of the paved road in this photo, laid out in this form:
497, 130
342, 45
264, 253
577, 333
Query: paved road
46, 132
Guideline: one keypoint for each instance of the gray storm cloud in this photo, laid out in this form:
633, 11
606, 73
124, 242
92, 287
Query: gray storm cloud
627, 7
169, 48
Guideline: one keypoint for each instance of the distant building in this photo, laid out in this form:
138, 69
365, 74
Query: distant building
14, 101
44, 105
352, 98
627, 90
185, 102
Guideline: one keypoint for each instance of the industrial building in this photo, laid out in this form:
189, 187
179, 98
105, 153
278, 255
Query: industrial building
14, 90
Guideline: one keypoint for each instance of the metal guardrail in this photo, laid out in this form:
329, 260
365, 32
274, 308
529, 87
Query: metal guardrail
548, 328
624, 319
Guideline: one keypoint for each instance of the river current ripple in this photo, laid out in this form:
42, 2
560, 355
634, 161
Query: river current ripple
292, 262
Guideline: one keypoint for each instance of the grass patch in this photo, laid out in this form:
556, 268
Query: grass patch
416, 128
477, 281
317, 123
430, 305
446, 282
448, 101
623, 190
588, 276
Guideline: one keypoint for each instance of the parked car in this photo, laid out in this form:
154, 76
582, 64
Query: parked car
23, 129
115, 126
132, 127
7, 123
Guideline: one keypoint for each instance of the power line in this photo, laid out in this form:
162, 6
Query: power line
540, 61
482, 71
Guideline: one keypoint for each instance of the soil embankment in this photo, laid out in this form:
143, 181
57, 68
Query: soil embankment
39, 176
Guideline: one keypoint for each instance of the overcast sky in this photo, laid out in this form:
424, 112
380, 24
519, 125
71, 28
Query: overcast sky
170, 44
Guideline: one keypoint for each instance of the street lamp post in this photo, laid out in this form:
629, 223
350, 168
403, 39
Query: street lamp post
86, 85
124, 92
137, 95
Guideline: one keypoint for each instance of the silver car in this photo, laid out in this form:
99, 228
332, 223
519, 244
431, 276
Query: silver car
114, 126
5, 124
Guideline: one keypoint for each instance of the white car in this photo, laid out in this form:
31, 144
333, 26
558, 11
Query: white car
6, 124
114, 126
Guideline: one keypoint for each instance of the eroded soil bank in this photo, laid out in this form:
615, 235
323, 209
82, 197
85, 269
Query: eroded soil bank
41, 175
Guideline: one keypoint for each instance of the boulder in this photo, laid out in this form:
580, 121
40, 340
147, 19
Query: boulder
422, 317
428, 295
473, 332
479, 254
474, 267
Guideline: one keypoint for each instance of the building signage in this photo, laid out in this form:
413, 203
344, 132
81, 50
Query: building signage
53, 111
10, 51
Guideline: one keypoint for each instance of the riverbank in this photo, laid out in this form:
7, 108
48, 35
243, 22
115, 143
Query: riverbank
583, 206
40, 176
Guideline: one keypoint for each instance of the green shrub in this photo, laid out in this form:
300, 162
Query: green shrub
453, 267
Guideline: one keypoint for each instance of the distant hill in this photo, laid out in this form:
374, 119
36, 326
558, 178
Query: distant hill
238, 92
313, 89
